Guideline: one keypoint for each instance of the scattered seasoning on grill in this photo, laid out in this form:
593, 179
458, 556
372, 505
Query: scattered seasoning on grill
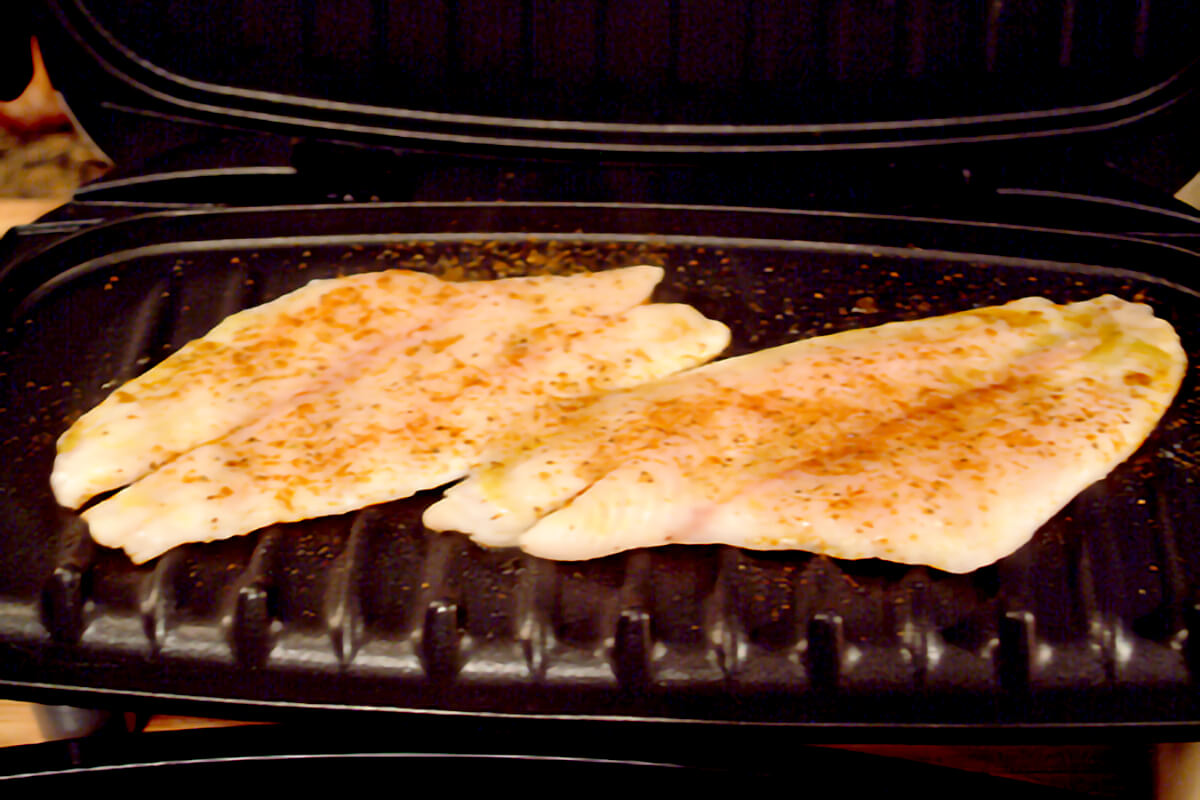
865, 305
807, 318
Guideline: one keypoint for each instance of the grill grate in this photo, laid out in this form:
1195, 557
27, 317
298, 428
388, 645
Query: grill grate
1089, 623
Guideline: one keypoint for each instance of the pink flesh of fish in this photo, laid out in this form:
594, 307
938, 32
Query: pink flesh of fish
411, 415
947, 441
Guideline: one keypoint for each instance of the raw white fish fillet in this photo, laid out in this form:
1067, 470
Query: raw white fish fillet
946, 441
299, 342
413, 415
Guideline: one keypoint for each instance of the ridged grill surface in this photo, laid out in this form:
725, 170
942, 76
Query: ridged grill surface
1090, 622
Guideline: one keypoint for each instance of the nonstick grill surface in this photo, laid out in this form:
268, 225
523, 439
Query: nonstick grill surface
1088, 624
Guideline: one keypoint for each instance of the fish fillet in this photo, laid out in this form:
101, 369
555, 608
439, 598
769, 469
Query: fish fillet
413, 415
947, 442
299, 342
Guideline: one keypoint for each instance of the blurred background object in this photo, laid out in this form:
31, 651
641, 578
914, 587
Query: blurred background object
42, 153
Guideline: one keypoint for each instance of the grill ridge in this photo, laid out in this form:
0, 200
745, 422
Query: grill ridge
438, 635
1101, 633
64, 593
823, 644
254, 609
633, 640
632, 649
913, 614
723, 633
152, 319
826, 645
1180, 605
533, 629
342, 606
1018, 644
158, 600
1102, 583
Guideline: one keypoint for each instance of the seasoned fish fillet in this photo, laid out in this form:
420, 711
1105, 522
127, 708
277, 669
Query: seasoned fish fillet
412, 415
300, 342
947, 441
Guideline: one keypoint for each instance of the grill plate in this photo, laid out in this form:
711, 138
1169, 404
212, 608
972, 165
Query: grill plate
1088, 624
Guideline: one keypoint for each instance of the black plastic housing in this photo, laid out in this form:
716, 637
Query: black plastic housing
621, 79
783, 161
1088, 625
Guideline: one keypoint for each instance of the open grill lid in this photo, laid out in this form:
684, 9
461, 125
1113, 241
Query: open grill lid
1089, 624
619, 79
